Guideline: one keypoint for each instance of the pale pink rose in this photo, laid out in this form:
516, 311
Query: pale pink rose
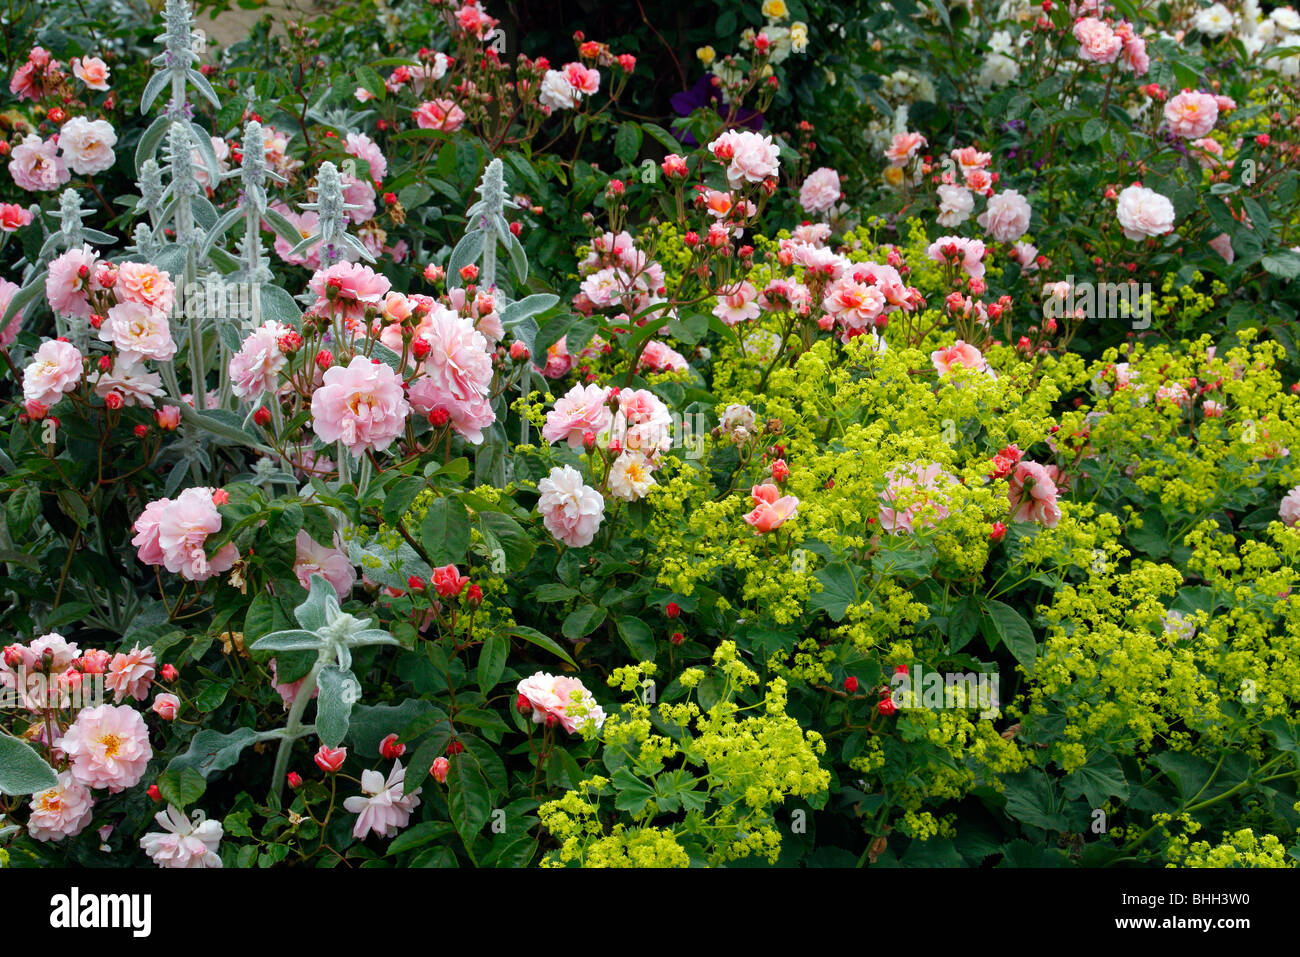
1212, 409
361, 405
1222, 244
87, 145
1143, 212
288, 690
771, 508
737, 304
586, 80
363, 147
10, 332
958, 355
62, 652
1098, 43
36, 166
441, 114
62, 811
131, 673
1032, 495
108, 747
814, 234
855, 305
55, 369
1208, 153
580, 410
132, 382
146, 532
92, 71
350, 287
571, 510
1289, 511
903, 148
560, 700
556, 93
70, 277
165, 706
630, 477
642, 423
145, 283
1134, 57
1006, 218
139, 330
183, 844
1173, 392
459, 362
1191, 115
255, 368
660, 357
750, 157
820, 191
172, 533
306, 222
956, 203
969, 253
558, 360
971, 160
468, 417
915, 495
382, 809
361, 194
331, 562
1026, 254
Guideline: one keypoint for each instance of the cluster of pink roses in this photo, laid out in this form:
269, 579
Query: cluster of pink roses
1103, 41
171, 533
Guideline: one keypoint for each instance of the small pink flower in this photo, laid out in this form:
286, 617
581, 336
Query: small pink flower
753, 157
958, 355
165, 706
820, 191
737, 303
363, 147
1191, 115
36, 166
108, 747
131, 673
382, 809
1222, 244
55, 369
771, 508
347, 289
903, 148
1098, 43
1006, 218
581, 409
585, 80
331, 562
440, 114
1289, 511
87, 145
69, 280
361, 405
139, 330
560, 700
14, 217
62, 811
571, 511
1144, 213
439, 770
1032, 495
914, 495
145, 283
288, 690
92, 71
183, 843
330, 760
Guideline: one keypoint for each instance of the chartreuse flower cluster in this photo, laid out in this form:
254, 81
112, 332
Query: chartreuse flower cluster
709, 790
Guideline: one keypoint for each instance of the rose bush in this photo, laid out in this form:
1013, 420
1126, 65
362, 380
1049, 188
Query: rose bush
441, 460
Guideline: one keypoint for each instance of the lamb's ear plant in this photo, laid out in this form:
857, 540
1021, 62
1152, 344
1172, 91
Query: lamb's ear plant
323, 627
332, 231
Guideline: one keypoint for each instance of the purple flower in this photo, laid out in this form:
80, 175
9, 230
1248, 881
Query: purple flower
704, 94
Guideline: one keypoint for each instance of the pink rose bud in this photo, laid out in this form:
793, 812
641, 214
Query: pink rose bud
390, 749
439, 770
165, 706
169, 672
329, 759
294, 779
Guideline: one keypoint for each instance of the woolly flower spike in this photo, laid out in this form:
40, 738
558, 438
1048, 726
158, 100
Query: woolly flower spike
331, 207
177, 63
71, 214
253, 171
383, 809
151, 188
186, 843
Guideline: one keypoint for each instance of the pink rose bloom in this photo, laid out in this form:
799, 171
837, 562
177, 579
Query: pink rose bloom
956, 203
558, 360
131, 673
581, 409
288, 690
364, 148
133, 383
660, 357
571, 511
855, 305
145, 283
10, 332
65, 287
560, 700
14, 217
1006, 217
771, 509
958, 355
1209, 152
361, 405
62, 811
350, 287
1289, 511
139, 330
92, 71
1143, 212
468, 417
54, 370
108, 747
903, 148
166, 706
183, 844
255, 368
737, 304
586, 80
820, 191
361, 194
87, 145
459, 362
814, 234
1032, 495
1222, 244
171, 533
63, 652
1134, 57
750, 157
1098, 43
970, 253
382, 808
914, 496
441, 114
36, 166
331, 563
643, 423
1191, 115
556, 93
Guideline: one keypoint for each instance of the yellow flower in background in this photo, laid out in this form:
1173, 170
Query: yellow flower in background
798, 36
706, 55
775, 9
894, 176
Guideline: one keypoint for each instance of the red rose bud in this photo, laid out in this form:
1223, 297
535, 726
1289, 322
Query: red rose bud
887, 706
295, 780
154, 794
105, 363
672, 609
390, 749
324, 359
262, 416
588, 440
469, 273
516, 228
390, 198
330, 760
141, 431
420, 348
113, 400
523, 705
850, 684
692, 238
96, 320
439, 417
169, 672
674, 166
780, 471
627, 61
439, 770
448, 581
518, 351
677, 638
415, 583
998, 532
455, 747
474, 596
